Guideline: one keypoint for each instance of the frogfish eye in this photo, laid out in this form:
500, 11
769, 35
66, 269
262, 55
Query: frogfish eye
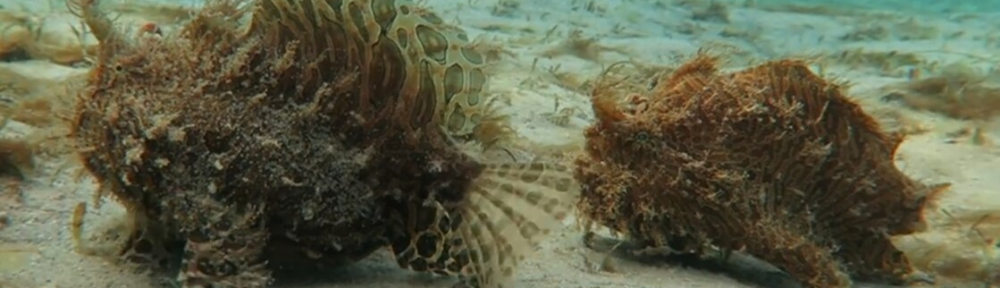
641, 137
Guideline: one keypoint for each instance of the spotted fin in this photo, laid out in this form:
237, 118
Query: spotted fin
511, 207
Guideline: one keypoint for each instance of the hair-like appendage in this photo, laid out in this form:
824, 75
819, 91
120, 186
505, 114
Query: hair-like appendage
773, 161
398, 48
605, 97
319, 133
691, 76
100, 25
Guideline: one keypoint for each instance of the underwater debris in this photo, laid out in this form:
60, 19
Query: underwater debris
820, 10
957, 92
878, 30
506, 8
772, 161
714, 12
569, 80
913, 29
577, 45
493, 50
751, 34
867, 32
317, 134
885, 62
560, 117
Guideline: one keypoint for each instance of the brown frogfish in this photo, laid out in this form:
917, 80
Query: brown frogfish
274, 134
772, 161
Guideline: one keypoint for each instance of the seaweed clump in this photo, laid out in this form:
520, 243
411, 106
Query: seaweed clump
772, 161
318, 132
958, 92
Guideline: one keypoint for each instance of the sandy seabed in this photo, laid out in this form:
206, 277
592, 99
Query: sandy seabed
550, 51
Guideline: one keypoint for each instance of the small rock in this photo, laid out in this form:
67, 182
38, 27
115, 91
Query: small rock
3, 220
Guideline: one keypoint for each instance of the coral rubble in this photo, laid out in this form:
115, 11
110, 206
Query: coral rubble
772, 161
315, 131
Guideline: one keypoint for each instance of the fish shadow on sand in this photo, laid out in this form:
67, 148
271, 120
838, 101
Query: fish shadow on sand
737, 266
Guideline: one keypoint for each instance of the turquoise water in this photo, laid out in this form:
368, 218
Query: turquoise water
917, 6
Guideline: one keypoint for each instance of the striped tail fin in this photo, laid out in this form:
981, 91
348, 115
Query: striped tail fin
511, 208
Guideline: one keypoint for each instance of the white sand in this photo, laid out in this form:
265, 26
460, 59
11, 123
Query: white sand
533, 78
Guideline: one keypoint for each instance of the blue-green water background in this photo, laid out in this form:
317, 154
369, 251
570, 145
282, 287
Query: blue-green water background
912, 6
